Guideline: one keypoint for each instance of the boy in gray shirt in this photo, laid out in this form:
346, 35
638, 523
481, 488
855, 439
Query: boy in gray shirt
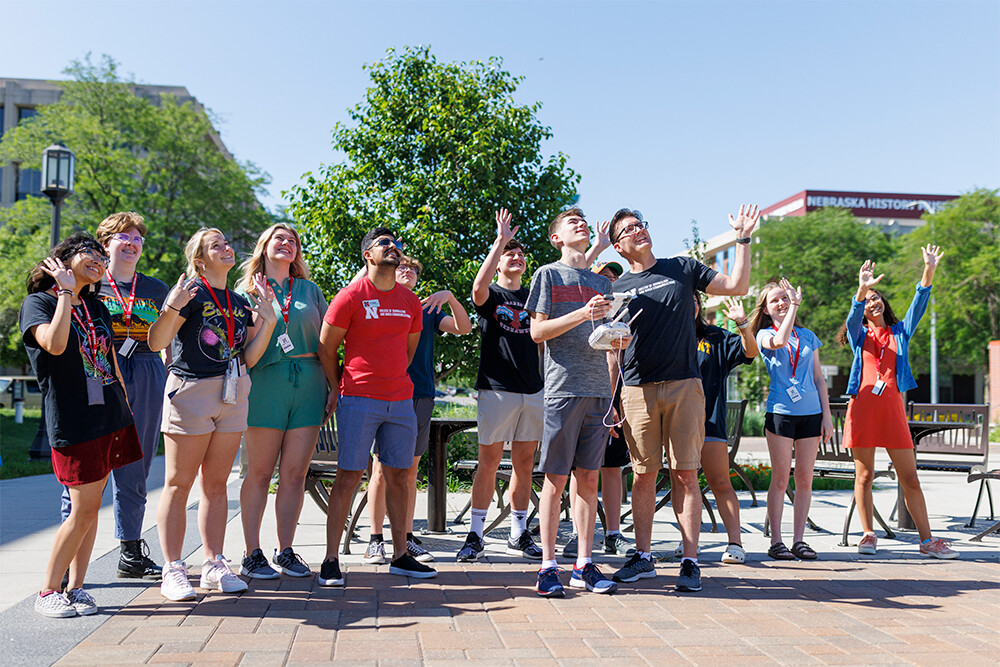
565, 298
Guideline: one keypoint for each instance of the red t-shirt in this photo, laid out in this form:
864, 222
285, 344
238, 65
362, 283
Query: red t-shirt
378, 324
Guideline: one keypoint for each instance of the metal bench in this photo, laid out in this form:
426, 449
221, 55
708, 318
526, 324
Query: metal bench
983, 476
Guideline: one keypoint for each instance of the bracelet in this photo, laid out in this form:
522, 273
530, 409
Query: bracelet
172, 308
743, 325
744, 240
64, 291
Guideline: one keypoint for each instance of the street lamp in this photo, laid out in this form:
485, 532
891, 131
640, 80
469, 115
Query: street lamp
58, 164
927, 206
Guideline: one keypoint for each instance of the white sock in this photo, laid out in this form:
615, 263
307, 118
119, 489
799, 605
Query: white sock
693, 560
613, 532
546, 564
644, 554
581, 562
478, 521
518, 522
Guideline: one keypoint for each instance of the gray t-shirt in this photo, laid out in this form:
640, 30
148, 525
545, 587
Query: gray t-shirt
572, 367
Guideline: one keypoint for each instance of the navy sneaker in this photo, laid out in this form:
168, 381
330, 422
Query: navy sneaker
524, 546
549, 585
590, 577
689, 580
472, 548
635, 568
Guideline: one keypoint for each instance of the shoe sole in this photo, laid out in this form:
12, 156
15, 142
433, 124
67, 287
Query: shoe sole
867, 552
129, 575
329, 583
87, 611
424, 558
410, 573
192, 596
941, 556
253, 575
375, 561
580, 583
686, 589
66, 613
522, 554
292, 573
554, 593
468, 559
730, 559
208, 586
641, 575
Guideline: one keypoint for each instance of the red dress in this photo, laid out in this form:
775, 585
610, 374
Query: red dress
877, 421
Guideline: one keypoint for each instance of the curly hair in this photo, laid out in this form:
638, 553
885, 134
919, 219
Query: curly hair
39, 281
887, 314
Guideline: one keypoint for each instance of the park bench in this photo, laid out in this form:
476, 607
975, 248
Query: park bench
982, 475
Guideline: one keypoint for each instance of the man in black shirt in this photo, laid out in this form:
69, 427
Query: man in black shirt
663, 399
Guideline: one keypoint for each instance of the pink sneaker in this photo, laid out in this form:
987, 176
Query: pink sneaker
868, 545
937, 548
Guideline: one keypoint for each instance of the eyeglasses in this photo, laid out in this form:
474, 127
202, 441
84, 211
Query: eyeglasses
405, 268
125, 238
95, 256
632, 229
385, 243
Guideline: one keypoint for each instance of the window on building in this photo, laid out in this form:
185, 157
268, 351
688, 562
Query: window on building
29, 181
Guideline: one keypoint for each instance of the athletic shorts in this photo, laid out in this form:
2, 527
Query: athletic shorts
665, 416
574, 434
424, 409
796, 427
290, 393
505, 416
392, 425
193, 406
616, 453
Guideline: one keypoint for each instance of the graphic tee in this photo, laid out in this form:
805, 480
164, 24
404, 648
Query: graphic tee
719, 352
201, 347
421, 370
779, 367
378, 324
572, 367
663, 344
150, 294
508, 358
69, 419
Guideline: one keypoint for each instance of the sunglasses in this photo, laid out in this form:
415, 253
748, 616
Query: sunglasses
385, 243
125, 238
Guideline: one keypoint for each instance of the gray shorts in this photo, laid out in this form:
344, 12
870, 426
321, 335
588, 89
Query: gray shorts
575, 434
424, 409
505, 416
391, 424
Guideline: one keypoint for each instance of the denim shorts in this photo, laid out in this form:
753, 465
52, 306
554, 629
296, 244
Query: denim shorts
392, 425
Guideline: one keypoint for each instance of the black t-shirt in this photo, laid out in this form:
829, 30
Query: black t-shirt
201, 347
508, 358
719, 352
663, 343
150, 294
69, 419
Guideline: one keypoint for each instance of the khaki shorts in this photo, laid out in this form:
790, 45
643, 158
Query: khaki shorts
665, 415
193, 406
505, 416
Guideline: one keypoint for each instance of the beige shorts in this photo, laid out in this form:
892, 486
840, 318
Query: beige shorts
665, 415
505, 416
193, 406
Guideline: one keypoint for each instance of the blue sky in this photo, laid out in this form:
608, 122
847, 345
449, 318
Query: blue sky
680, 109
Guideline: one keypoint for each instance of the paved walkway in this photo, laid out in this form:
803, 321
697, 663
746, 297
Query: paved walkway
896, 607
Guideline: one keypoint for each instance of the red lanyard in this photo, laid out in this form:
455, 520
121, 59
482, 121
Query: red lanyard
91, 332
288, 302
227, 314
878, 362
798, 350
126, 307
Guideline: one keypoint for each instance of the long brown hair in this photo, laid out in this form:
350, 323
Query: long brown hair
255, 262
39, 281
887, 314
761, 319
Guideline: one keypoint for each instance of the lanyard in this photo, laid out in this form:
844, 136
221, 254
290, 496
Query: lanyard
126, 307
227, 314
878, 362
798, 350
91, 333
288, 302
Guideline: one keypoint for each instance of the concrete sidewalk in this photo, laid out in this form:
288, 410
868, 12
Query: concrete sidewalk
896, 607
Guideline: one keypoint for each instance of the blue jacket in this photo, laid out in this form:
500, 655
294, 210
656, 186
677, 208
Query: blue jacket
902, 331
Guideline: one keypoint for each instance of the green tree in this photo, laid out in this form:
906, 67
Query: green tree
162, 160
432, 151
966, 285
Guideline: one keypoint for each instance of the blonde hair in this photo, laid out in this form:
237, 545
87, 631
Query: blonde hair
117, 223
255, 262
406, 260
195, 249
761, 319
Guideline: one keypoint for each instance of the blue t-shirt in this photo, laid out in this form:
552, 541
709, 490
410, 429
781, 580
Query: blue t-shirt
421, 369
779, 367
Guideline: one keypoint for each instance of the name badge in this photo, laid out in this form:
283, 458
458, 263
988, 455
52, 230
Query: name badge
127, 348
285, 341
230, 382
878, 387
95, 391
793, 394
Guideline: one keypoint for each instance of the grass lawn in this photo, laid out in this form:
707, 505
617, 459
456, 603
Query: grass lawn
15, 441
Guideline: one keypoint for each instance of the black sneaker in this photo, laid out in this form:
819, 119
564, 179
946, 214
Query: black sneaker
472, 549
329, 574
408, 566
524, 546
571, 549
256, 566
134, 562
689, 580
291, 563
616, 543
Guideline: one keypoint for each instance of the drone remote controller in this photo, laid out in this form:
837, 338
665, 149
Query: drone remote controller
603, 336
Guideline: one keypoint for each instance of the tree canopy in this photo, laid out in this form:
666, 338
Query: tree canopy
433, 149
163, 160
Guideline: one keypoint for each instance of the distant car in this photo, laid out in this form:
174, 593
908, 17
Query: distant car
32, 394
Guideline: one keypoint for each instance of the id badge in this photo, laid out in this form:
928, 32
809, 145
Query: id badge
95, 391
793, 394
878, 387
230, 382
285, 341
127, 348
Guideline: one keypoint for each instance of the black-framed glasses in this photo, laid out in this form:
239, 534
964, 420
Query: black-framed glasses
385, 243
632, 229
92, 254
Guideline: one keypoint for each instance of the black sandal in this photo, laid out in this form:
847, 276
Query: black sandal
803, 551
779, 551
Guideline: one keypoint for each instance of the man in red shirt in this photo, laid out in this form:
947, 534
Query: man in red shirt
379, 323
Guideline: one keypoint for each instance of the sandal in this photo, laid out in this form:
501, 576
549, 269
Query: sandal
779, 551
803, 551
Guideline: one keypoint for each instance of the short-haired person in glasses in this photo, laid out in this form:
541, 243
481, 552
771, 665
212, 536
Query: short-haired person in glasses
663, 398
378, 322
67, 334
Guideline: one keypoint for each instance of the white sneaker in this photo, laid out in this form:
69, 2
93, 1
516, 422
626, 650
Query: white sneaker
82, 601
679, 551
175, 585
734, 554
216, 575
54, 605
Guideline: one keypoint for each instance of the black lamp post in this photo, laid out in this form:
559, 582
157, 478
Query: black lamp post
58, 164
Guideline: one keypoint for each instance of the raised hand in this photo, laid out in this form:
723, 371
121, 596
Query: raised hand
794, 294
604, 234
181, 293
746, 220
735, 311
504, 231
436, 301
932, 255
866, 276
261, 296
63, 275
